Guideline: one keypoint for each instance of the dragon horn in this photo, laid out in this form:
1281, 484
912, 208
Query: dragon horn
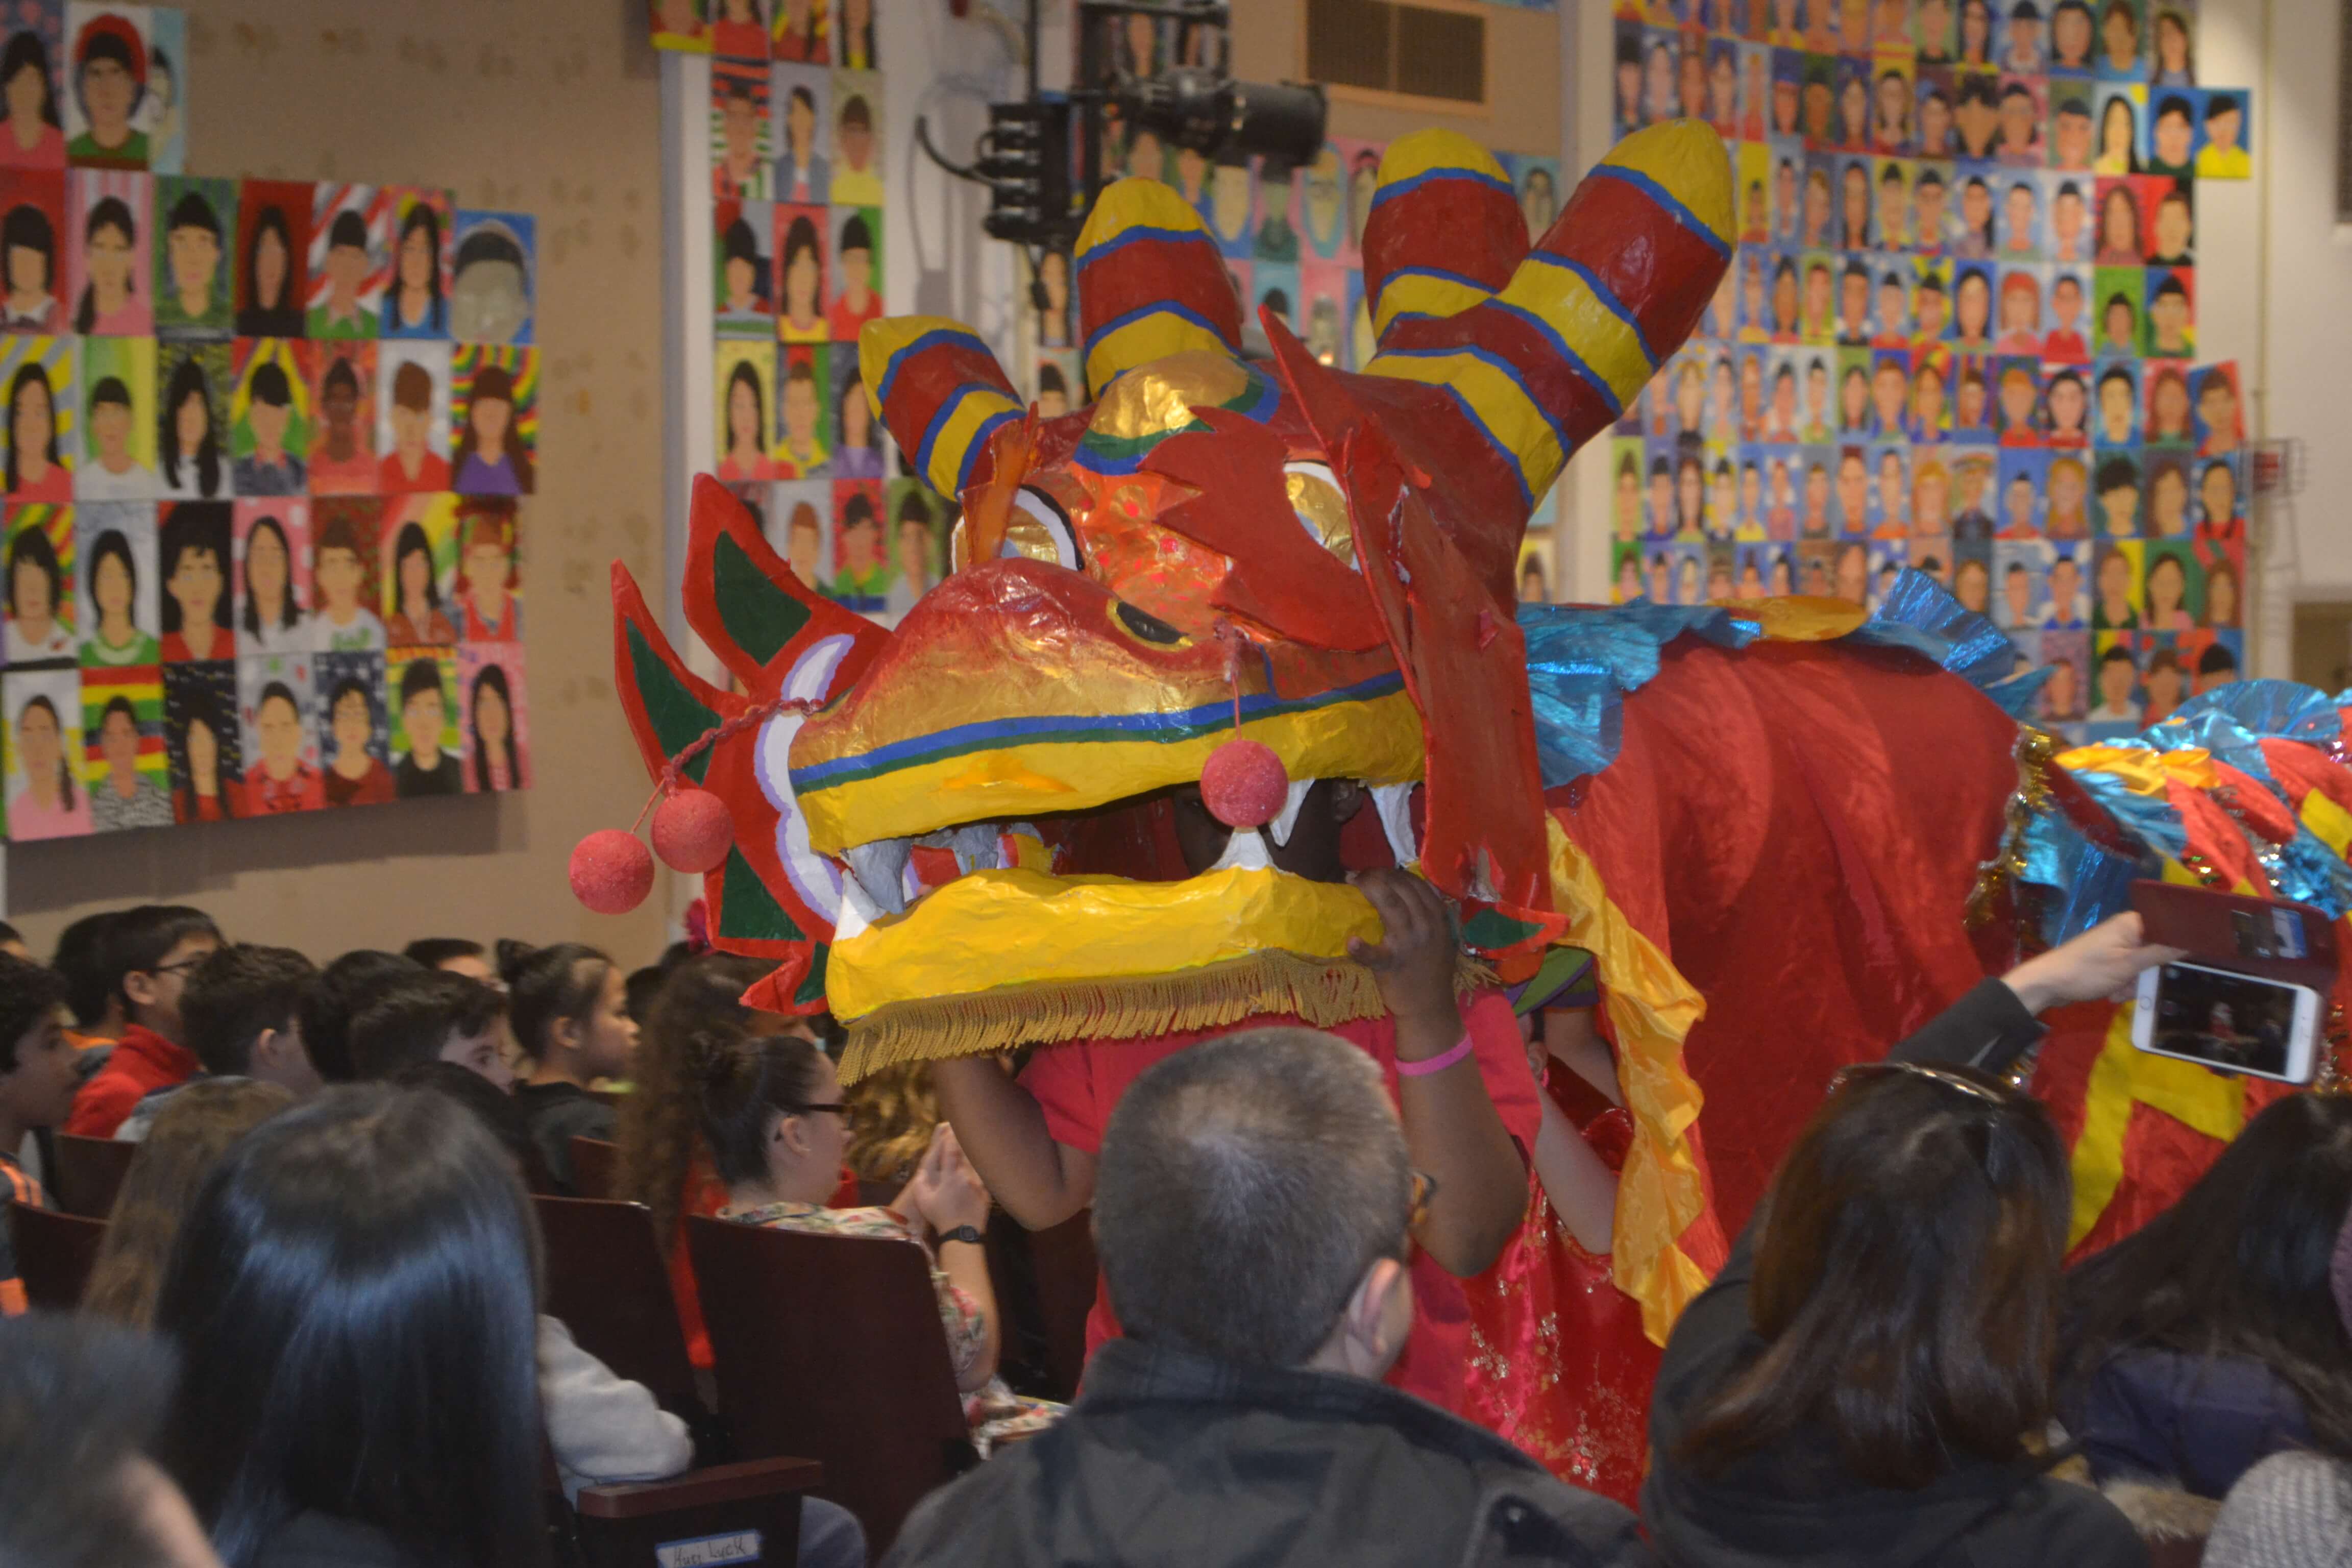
1614, 286
1151, 282
941, 393
1444, 231
748, 608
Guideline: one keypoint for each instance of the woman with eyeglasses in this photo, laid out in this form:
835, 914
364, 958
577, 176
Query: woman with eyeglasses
1869, 1378
777, 1128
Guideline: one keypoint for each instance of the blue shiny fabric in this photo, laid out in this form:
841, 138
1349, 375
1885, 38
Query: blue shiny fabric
1582, 661
2280, 710
1920, 615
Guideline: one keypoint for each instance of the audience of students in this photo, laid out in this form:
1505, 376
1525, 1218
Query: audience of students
240, 1016
434, 1015
147, 955
568, 1005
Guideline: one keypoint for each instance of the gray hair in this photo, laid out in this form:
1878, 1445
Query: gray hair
1246, 1185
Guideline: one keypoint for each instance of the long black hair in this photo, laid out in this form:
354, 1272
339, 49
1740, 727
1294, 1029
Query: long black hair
195, 525
65, 745
32, 547
494, 678
743, 1083
746, 374
290, 616
188, 381
23, 50
26, 375
411, 541
420, 215
2238, 1267
278, 318
354, 1294
112, 212
28, 228
202, 710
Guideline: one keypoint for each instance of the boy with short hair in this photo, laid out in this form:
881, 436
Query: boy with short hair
150, 952
37, 1089
435, 1016
241, 1018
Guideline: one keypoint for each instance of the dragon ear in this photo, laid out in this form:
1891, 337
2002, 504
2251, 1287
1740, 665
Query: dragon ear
748, 605
942, 394
1151, 282
1444, 230
1614, 286
668, 705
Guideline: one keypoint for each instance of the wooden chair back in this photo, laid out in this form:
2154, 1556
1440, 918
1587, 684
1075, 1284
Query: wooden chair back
830, 1347
595, 1162
90, 1173
54, 1253
606, 1282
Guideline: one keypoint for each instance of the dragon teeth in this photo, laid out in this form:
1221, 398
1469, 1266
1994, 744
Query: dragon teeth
880, 870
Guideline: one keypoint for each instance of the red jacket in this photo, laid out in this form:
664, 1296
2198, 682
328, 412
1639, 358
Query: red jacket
144, 1061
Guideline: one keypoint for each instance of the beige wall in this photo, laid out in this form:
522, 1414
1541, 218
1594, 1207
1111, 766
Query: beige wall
549, 107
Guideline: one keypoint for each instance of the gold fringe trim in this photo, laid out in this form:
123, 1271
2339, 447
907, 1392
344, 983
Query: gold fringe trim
1324, 992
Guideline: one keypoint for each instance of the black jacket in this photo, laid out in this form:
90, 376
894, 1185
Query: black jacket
2201, 1422
1172, 1458
1796, 1504
557, 1113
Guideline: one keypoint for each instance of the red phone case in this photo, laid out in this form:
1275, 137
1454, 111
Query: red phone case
2209, 926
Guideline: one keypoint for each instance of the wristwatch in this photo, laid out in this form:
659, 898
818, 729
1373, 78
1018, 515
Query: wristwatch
963, 1233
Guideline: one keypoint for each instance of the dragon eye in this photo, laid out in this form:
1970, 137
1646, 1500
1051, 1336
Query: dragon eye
1321, 509
1146, 628
1039, 530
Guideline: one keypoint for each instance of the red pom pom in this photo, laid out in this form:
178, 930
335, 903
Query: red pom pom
692, 831
1244, 783
610, 872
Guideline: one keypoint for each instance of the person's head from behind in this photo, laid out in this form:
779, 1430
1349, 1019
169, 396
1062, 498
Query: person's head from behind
37, 1063
353, 1295
81, 960
2240, 1265
187, 1139
241, 1015
569, 1005
431, 1016
458, 955
1251, 1206
150, 951
1907, 1282
488, 1104
661, 1123
341, 991
773, 1115
80, 1403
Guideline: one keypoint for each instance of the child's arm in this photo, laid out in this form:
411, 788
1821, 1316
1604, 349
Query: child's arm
1451, 1126
1583, 1190
1040, 1182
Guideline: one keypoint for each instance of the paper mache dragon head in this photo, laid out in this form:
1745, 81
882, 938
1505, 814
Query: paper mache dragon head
953, 836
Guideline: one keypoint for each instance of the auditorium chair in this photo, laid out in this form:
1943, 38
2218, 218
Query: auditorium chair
831, 1346
594, 1164
55, 1252
90, 1173
745, 1513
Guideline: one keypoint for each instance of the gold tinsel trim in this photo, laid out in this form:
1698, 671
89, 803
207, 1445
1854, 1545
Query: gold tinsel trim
1324, 992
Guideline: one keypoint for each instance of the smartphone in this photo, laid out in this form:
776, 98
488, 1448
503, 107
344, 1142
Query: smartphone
2228, 1021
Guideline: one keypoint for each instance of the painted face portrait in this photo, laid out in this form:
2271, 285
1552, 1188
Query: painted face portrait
489, 293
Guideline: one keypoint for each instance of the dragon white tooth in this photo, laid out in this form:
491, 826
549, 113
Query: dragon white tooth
881, 869
977, 848
1395, 803
1287, 818
857, 911
1244, 851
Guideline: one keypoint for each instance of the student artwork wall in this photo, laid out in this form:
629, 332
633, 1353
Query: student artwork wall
1959, 333
266, 449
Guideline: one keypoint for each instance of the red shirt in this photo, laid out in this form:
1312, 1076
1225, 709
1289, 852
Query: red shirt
1077, 1085
144, 1061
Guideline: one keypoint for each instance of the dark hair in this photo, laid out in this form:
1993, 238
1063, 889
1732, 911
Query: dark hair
79, 1400
1906, 1285
746, 374
192, 211
31, 546
409, 1022
347, 229
743, 1084
421, 215
2174, 104
1244, 1187
29, 993
2117, 473
28, 228
202, 710
493, 679
188, 381
291, 615
30, 373
26, 48
354, 1295
269, 218
547, 985
855, 234
2238, 1267
340, 374
493, 382
799, 237
109, 389
110, 212
411, 541
432, 952
236, 994
2216, 658
660, 1125
195, 525
498, 1112
419, 676
277, 690
490, 242
342, 992
140, 937
81, 961
268, 383
740, 244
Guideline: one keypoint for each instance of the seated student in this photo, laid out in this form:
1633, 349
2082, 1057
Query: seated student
240, 1018
458, 955
37, 1089
81, 961
568, 1005
79, 1403
773, 1119
2208, 1339
432, 1017
184, 1141
343, 990
1868, 1377
1458, 1072
150, 951
354, 1299
1254, 1204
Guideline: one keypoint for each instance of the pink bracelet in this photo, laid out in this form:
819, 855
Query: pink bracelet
1436, 1064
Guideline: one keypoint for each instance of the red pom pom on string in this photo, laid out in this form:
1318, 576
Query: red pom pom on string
692, 831
610, 872
1244, 783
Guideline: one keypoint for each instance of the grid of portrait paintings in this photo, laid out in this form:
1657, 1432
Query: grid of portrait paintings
1958, 333
265, 452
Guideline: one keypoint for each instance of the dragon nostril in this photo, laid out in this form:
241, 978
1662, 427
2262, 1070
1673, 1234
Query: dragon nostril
1147, 627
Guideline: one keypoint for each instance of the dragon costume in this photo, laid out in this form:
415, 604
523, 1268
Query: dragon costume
1769, 826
